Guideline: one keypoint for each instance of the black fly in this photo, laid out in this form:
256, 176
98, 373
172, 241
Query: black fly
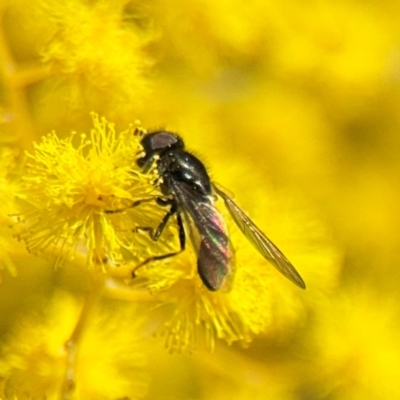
190, 195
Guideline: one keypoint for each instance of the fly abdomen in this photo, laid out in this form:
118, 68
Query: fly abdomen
213, 260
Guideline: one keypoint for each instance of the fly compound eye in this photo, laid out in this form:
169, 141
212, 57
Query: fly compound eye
155, 143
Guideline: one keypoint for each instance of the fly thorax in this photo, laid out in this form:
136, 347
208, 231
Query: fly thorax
183, 167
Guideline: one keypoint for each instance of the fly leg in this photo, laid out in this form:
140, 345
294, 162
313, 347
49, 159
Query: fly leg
157, 233
132, 205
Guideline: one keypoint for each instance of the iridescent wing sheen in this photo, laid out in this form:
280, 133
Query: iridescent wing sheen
213, 248
260, 241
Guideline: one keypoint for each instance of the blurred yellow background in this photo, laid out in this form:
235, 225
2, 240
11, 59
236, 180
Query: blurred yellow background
293, 107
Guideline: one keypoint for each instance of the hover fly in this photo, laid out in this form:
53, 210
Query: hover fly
190, 195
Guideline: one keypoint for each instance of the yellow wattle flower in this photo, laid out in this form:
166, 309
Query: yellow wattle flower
110, 362
98, 46
70, 191
259, 300
8, 189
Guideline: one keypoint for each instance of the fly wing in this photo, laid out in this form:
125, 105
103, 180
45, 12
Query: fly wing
214, 252
260, 241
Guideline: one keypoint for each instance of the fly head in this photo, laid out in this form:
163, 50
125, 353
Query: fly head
157, 143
